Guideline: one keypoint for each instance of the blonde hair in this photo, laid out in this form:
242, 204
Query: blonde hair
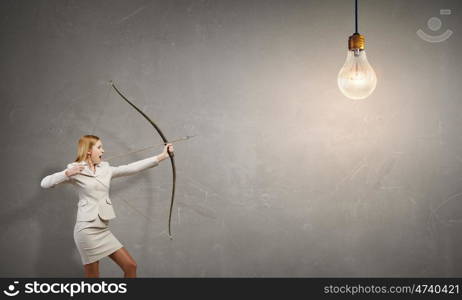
86, 142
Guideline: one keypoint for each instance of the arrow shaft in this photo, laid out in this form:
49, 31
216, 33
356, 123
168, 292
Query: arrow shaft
150, 147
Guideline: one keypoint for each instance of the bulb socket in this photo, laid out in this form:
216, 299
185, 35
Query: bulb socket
356, 42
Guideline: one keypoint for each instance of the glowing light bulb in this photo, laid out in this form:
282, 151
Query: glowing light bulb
357, 79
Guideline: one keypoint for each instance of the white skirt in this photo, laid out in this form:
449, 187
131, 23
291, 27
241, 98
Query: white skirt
94, 240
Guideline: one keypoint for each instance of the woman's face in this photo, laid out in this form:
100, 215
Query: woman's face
96, 152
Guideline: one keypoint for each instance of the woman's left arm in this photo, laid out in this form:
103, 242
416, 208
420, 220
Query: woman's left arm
141, 165
135, 167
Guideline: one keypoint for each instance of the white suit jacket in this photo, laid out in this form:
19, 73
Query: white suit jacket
93, 188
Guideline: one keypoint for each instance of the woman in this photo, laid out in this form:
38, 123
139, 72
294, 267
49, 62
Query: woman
91, 176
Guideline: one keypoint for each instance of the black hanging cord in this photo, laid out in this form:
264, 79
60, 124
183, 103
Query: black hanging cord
356, 16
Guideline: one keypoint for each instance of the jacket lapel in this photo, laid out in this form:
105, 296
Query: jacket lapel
87, 172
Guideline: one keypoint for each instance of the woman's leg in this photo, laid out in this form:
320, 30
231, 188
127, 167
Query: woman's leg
92, 269
125, 261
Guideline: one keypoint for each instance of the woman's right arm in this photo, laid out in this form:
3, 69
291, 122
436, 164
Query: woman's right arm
53, 180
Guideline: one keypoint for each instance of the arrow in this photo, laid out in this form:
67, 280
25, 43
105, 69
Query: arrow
150, 147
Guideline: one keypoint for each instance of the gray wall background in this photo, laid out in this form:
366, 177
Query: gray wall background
287, 176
